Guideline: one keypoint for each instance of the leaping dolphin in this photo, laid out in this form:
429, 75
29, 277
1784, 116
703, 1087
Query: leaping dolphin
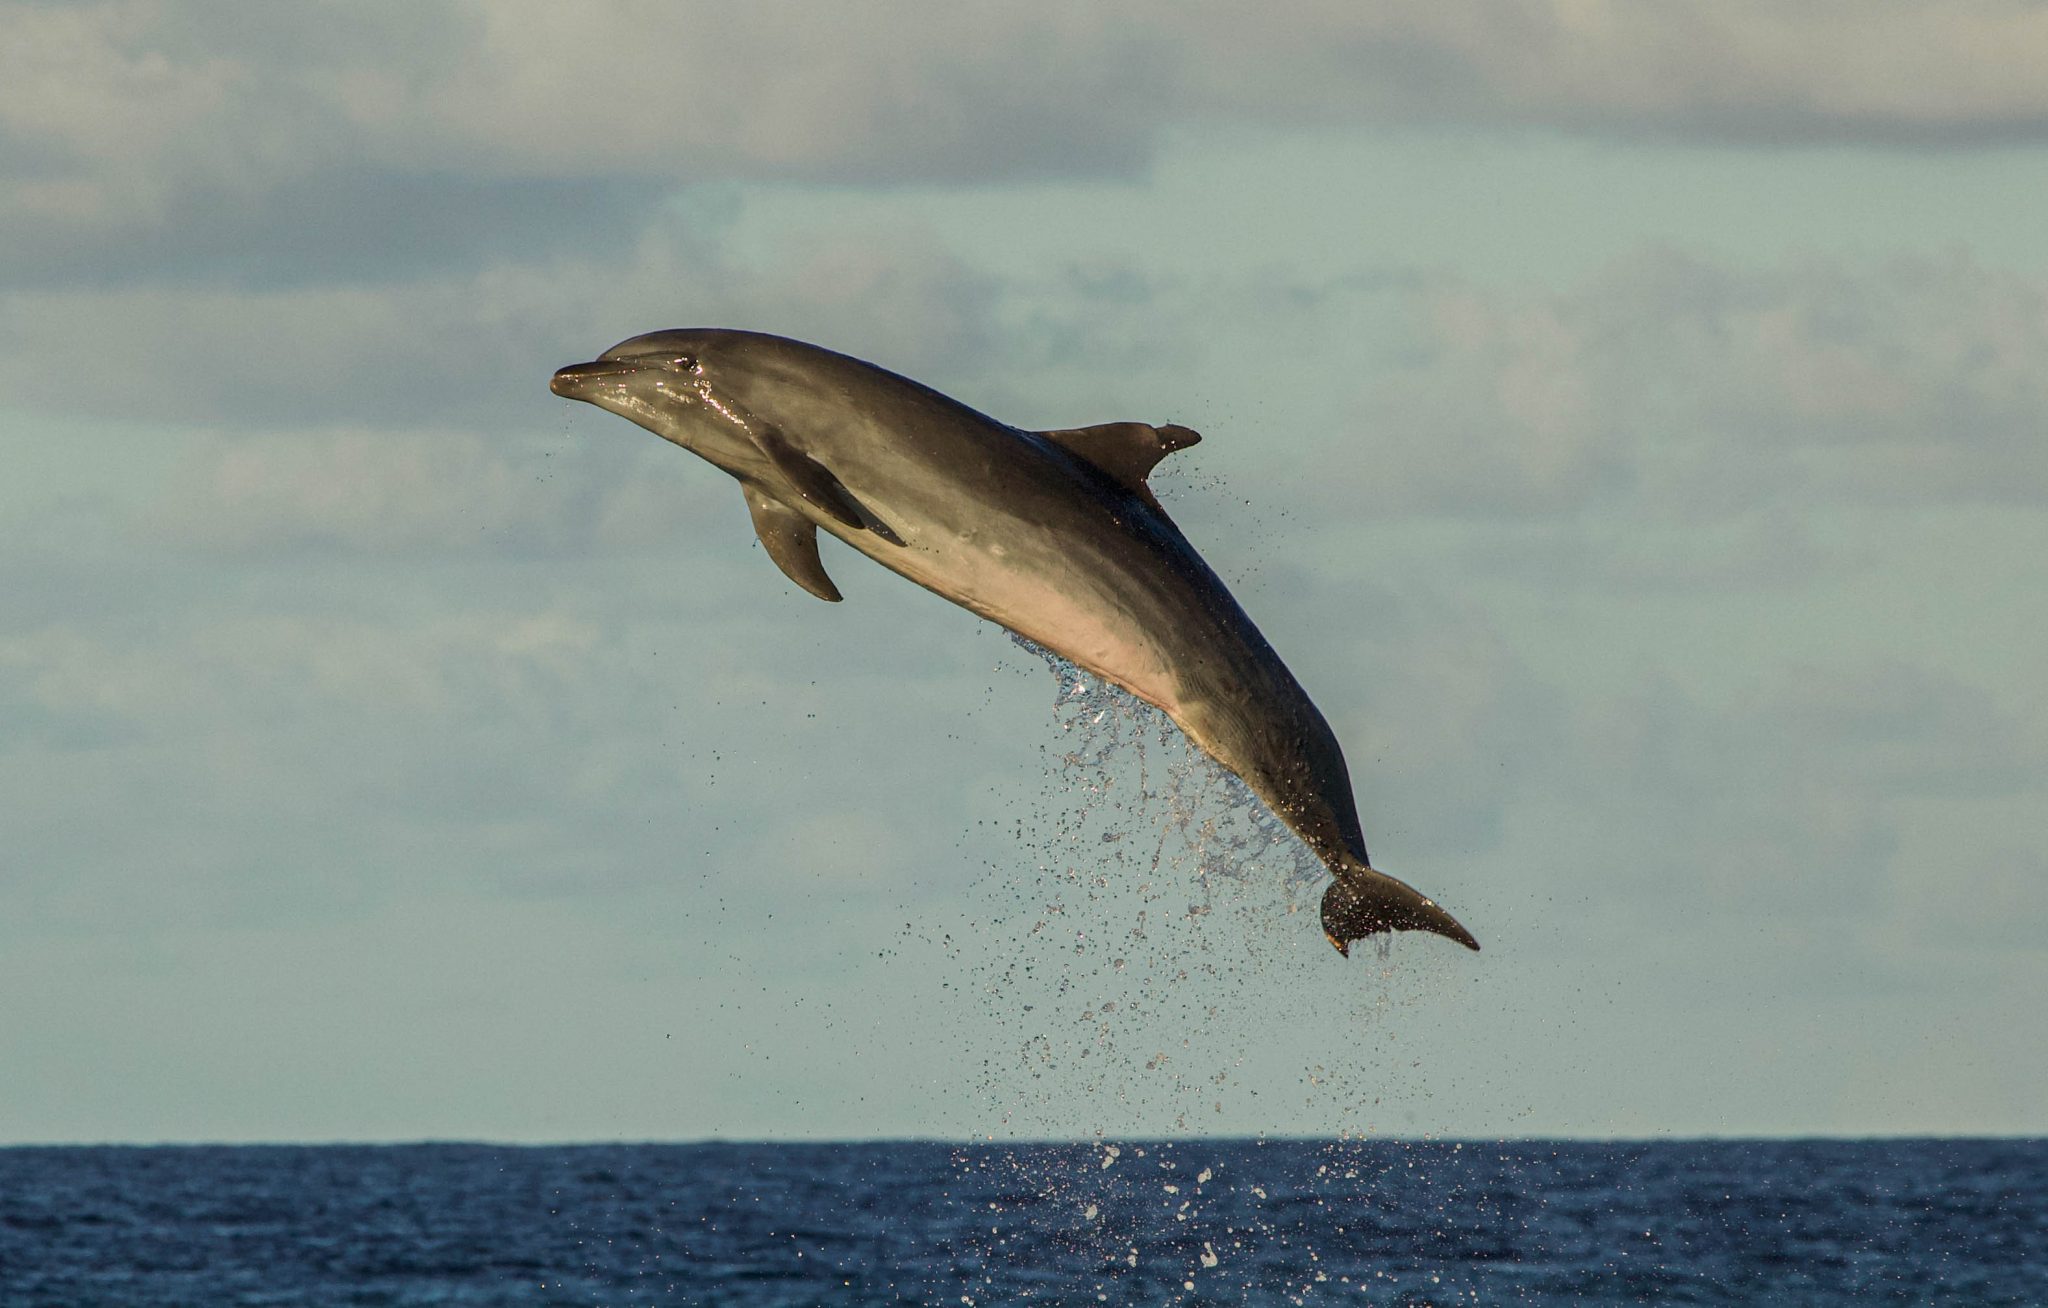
1052, 534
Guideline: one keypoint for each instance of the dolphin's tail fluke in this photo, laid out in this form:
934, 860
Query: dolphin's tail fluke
1364, 902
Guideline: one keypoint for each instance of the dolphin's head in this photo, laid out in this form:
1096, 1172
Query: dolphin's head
656, 380
695, 387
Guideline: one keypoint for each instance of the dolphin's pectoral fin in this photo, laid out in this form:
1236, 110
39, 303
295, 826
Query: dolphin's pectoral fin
1362, 902
809, 477
815, 483
1126, 451
791, 540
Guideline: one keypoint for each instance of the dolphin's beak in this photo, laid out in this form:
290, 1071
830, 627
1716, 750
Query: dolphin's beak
573, 382
1339, 945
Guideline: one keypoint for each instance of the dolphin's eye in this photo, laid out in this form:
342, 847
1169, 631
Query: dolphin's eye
683, 362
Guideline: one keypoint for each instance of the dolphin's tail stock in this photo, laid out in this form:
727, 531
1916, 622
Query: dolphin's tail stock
1363, 902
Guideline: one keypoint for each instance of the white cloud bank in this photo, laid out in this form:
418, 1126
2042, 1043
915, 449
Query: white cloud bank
159, 140
1691, 390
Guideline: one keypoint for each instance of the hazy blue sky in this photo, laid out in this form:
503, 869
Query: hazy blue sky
1630, 421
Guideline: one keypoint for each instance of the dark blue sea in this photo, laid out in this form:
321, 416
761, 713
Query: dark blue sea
1190, 1222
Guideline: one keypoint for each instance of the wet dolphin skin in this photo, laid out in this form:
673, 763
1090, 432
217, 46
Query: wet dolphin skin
1052, 534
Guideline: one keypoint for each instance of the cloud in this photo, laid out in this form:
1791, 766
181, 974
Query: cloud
1987, 894
180, 142
475, 347
440, 492
1694, 390
1773, 549
1442, 721
1791, 802
269, 759
336, 702
292, 754
340, 225
154, 141
1893, 73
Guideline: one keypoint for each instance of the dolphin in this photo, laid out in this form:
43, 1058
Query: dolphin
1052, 534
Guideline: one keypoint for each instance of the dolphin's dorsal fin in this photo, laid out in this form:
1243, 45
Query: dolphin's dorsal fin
1126, 451
791, 540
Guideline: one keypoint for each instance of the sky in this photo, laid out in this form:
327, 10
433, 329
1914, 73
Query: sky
1629, 422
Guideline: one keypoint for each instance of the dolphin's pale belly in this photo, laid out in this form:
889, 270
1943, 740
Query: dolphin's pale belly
989, 580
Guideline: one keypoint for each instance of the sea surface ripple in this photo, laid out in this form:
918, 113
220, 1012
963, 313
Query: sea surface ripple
1193, 1221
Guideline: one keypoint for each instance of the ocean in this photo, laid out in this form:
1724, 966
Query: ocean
1194, 1221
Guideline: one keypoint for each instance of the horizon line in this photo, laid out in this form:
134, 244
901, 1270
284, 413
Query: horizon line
1048, 1142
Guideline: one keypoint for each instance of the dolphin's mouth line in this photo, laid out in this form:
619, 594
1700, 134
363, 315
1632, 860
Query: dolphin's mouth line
568, 381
